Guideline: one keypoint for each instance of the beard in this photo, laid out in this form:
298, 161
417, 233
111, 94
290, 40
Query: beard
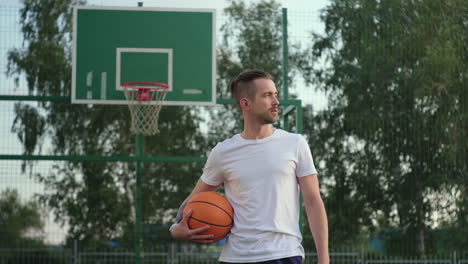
267, 118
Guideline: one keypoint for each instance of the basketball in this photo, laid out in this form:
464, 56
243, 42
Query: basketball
212, 209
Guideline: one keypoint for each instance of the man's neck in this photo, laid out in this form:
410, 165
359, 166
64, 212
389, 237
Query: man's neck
257, 132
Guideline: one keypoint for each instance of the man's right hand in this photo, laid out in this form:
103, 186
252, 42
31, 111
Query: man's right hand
182, 231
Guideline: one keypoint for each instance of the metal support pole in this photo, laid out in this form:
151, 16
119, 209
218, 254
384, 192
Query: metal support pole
138, 219
299, 118
138, 228
285, 63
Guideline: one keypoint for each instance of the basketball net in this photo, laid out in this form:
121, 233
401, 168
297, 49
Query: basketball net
145, 102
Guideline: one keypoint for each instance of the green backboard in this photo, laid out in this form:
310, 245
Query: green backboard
113, 45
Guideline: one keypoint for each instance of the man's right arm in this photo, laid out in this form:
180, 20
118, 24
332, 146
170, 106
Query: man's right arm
180, 230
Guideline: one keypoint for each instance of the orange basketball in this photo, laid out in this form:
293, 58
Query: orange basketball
212, 209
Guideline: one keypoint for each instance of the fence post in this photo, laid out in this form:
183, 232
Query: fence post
361, 256
171, 259
75, 252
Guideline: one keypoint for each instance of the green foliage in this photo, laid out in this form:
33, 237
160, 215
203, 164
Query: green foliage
20, 223
94, 199
390, 147
29, 126
397, 77
252, 39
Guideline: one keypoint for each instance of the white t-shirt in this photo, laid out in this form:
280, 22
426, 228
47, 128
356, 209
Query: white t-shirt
260, 181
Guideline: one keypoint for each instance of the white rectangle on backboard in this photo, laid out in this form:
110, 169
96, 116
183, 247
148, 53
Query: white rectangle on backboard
118, 59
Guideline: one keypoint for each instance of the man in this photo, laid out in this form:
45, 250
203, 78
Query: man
262, 170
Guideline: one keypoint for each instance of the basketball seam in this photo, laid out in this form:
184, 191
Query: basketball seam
213, 205
210, 223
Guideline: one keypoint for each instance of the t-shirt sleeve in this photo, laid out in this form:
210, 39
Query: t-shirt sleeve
305, 163
212, 172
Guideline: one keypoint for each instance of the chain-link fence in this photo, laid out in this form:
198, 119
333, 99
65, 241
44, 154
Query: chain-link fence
381, 168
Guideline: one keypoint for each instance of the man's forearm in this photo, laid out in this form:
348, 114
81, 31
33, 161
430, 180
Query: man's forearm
318, 224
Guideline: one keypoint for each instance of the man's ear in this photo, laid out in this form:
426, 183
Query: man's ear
244, 102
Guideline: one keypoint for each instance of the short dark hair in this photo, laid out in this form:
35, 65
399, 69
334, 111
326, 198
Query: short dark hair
243, 86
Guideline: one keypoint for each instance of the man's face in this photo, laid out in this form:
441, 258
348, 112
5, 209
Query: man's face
265, 106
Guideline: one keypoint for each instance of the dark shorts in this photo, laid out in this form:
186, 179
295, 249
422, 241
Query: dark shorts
290, 260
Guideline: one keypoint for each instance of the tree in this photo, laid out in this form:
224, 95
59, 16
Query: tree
95, 199
344, 183
20, 223
251, 39
397, 72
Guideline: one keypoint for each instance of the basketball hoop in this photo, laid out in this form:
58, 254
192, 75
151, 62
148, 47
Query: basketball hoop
145, 102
